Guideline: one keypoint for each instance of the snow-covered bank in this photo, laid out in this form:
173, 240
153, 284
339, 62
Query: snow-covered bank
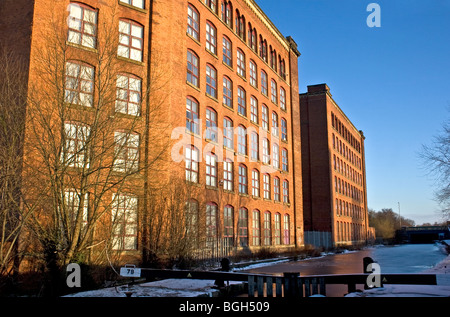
442, 289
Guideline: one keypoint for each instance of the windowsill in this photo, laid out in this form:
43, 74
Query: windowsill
212, 53
267, 199
228, 66
127, 115
211, 97
187, 182
256, 197
86, 48
227, 107
243, 116
132, 7
79, 107
194, 39
212, 187
125, 59
243, 195
192, 86
242, 77
193, 134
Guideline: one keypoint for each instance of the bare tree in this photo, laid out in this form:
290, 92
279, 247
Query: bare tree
436, 160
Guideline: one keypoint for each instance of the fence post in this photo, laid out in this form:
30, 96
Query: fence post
291, 284
251, 286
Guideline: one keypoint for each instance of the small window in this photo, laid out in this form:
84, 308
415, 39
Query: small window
192, 115
240, 62
267, 228
82, 25
228, 175
273, 89
134, 3
131, 40
255, 183
282, 98
242, 140
284, 129
266, 186
128, 94
284, 160
228, 225
264, 83
285, 191
227, 12
243, 227
242, 106
193, 23
265, 117
286, 231
254, 110
126, 157
227, 92
227, 50
211, 124
211, 38
211, 224
228, 133
254, 145
276, 189
277, 229
212, 4
211, 81
211, 170
276, 156
79, 87
75, 152
243, 182
266, 151
256, 228
192, 68
253, 76
124, 221
275, 128
191, 163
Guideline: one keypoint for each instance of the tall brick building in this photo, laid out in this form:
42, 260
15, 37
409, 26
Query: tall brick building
334, 180
212, 83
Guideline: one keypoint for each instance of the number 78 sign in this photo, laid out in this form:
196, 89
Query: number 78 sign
130, 271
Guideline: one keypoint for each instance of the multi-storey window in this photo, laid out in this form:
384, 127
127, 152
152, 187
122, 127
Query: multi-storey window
193, 25
211, 169
276, 156
266, 186
256, 227
243, 227
282, 98
75, 152
286, 231
240, 62
131, 40
255, 183
79, 88
253, 74
76, 203
254, 146
264, 83
242, 140
252, 38
211, 124
265, 117
228, 225
227, 13
227, 92
128, 94
227, 50
192, 117
191, 166
228, 133
285, 191
211, 38
124, 221
277, 228
283, 129
267, 228
276, 189
82, 25
134, 3
243, 181
126, 152
240, 25
284, 160
242, 105
211, 81
273, 91
228, 175
254, 110
192, 68
212, 4
266, 151
275, 128
211, 224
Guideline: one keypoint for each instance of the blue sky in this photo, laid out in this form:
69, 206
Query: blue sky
392, 82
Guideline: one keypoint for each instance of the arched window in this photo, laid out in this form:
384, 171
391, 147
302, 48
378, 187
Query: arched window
273, 91
240, 62
211, 224
128, 94
286, 191
131, 40
211, 37
82, 23
227, 92
286, 231
266, 151
227, 49
242, 140
212, 4
193, 22
282, 98
253, 74
228, 175
192, 68
228, 133
267, 228
242, 105
254, 146
192, 115
275, 128
277, 228
256, 228
243, 227
228, 225
265, 117
255, 183
211, 81
276, 156
211, 124
284, 160
254, 110
191, 163
227, 13
284, 129
266, 186
276, 189
264, 83
211, 169
243, 181
191, 217
135, 3
79, 83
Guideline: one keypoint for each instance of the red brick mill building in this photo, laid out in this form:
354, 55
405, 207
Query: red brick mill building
201, 94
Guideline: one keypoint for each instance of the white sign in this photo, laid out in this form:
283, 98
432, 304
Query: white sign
130, 272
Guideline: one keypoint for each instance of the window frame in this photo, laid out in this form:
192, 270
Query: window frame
191, 165
240, 63
82, 22
193, 121
243, 179
211, 169
211, 37
192, 68
131, 38
227, 92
